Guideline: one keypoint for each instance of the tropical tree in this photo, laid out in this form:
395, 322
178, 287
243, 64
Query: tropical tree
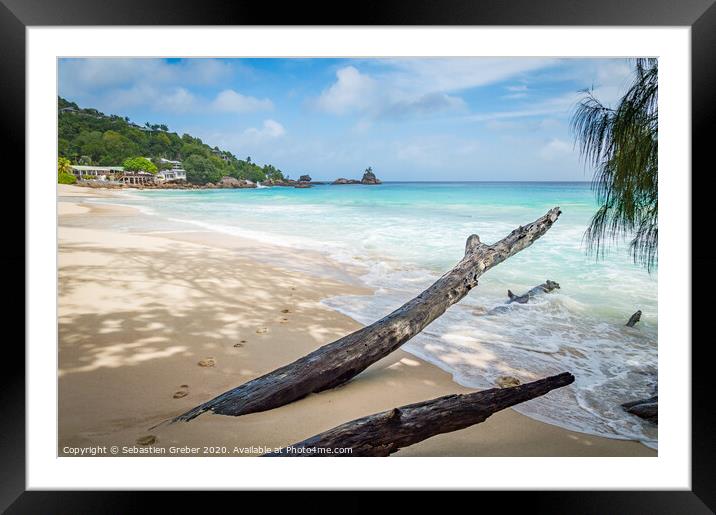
64, 165
248, 171
200, 170
272, 173
139, 164
621, 143
64, 171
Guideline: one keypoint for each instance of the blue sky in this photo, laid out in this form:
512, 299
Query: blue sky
409, 118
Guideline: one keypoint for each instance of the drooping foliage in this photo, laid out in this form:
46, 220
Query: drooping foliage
621, 143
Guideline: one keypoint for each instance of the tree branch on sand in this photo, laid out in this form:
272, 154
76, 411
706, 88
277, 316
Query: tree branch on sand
337, 362
384, 433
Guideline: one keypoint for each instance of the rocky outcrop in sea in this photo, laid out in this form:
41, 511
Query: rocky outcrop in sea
368, 178
232, 182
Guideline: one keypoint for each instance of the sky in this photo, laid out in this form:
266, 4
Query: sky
425, 119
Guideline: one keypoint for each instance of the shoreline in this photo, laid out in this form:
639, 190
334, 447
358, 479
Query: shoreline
135, 333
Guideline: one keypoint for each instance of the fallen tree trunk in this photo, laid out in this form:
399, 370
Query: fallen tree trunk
337, 362
384, 433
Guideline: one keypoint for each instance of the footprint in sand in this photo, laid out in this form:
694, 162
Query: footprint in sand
238, 345
146, 440
207, 362
182, 392
262, 330
284, 311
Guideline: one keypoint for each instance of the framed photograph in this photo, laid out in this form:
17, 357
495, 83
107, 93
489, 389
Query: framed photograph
427, 237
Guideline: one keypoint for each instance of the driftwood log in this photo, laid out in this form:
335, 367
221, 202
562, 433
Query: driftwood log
545, 287
384, 433
648, 409
634, 319
337, 362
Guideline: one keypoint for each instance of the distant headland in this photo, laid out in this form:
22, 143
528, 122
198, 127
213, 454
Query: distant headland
109, 151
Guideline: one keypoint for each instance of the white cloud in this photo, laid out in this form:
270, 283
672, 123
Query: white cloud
351, 91
130, 97
426, 104
556, 149
516, 92
356, 92
157, 84
182, 100
612, 79
514, 96
399, 88
459, 73
178, 100
234, 102
79, 76
608, 80
271, 129
559, 105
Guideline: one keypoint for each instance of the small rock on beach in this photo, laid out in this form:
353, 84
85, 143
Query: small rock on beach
146, 440
507, 381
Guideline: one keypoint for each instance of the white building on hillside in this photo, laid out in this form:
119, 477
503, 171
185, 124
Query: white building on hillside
99, 173
175, 173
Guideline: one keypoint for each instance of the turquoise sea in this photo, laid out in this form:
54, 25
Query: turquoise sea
403, 236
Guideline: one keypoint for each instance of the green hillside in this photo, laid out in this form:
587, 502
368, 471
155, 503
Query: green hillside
87, 136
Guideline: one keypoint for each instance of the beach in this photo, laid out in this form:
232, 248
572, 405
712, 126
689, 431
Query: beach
152, 324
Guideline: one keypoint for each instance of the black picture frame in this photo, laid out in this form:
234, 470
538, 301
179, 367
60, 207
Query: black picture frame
700, 15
